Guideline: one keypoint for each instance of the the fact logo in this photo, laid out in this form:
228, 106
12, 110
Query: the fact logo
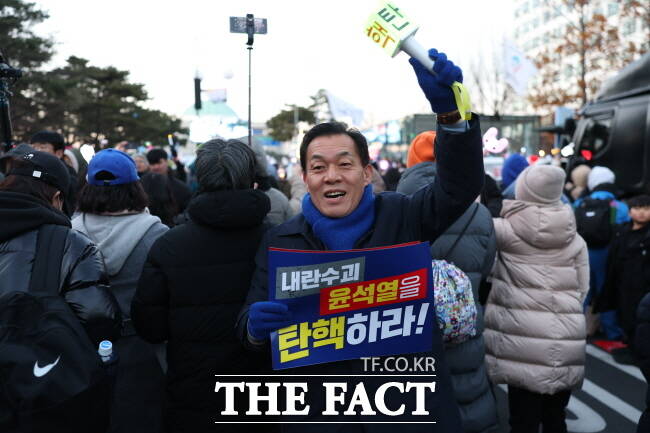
288, 398
42, 371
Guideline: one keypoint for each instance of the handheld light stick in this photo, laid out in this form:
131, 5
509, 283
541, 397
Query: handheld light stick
172, 145
394, 32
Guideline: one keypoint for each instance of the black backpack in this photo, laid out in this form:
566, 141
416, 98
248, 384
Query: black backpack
51, 377
595, 220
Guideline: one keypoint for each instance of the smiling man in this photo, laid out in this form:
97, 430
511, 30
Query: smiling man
341, 212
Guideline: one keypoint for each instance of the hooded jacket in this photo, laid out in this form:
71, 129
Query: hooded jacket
193, 284
124, 241
474, 255
83, 284
534, 323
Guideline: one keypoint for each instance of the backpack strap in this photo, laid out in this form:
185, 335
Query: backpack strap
46, 270
613, 212
462, 232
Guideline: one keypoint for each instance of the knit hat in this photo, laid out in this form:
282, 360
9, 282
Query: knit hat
600, 175
45, 167
540, 184
422, 149
111, 167
512, 166
51, 137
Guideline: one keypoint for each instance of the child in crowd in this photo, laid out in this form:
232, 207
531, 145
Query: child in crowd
598, 234
628, 270
534, 326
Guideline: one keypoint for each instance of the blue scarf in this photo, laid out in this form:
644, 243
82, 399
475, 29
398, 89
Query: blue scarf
341, 233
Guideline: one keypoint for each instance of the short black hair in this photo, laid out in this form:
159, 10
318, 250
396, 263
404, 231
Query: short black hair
155, 155
642, 200
225, 165
334, 128
161, 198
112, 198
51, 137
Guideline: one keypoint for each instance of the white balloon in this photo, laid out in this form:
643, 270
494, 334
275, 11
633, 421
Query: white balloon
228, 74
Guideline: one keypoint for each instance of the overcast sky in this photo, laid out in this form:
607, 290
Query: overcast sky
309, 45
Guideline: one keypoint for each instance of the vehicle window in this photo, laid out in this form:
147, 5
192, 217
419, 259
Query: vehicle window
596, 135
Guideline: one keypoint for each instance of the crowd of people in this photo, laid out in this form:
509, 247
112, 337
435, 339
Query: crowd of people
170, 264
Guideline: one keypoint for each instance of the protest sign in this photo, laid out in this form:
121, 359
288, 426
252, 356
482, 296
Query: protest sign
352, 304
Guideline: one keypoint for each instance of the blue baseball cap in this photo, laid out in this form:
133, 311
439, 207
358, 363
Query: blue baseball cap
111, 167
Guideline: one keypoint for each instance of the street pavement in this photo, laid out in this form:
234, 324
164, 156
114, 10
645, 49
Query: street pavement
611, 399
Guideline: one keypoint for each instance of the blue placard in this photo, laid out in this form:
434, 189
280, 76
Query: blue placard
352, 304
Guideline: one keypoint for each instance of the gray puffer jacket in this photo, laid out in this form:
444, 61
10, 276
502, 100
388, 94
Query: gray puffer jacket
474, 254
280, 209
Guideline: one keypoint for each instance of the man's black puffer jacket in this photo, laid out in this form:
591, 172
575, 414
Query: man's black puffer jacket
192, 287
83, 284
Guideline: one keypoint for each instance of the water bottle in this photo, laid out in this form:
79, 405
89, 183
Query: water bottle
110, 360
106, 353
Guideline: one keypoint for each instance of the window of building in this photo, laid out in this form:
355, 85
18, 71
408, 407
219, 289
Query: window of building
535, 23
547, 16
568, 71
612, 9
629, 26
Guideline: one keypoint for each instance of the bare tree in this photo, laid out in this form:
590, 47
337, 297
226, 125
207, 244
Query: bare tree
639, 9
591, 47
487, 81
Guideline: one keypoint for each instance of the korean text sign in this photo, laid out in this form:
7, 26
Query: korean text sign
352, 304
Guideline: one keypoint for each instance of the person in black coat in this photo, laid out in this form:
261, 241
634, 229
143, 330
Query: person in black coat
643, 352
32, 196
491, 196
627, 278
158, 163
195, 282
341, 212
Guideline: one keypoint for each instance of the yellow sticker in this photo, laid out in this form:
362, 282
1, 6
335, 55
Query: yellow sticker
464, 104
388, 27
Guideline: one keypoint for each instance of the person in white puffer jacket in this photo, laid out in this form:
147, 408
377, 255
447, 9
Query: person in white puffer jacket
534, 322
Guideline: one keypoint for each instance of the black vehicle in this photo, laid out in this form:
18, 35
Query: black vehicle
615, 128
